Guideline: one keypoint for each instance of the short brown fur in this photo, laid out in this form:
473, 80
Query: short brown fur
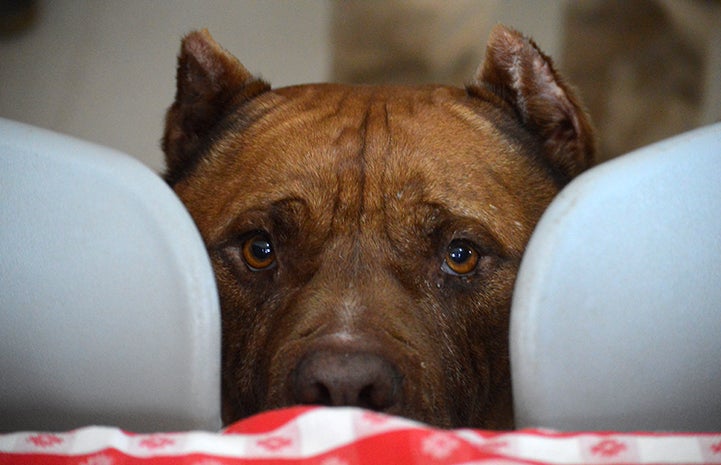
360, 191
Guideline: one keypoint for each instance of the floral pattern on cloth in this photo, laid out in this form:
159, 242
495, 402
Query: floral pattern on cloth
348, 436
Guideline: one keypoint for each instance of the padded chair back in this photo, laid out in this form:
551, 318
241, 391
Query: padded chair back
108, 307
616, 317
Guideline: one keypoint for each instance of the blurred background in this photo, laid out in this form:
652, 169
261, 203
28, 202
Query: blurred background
104, 70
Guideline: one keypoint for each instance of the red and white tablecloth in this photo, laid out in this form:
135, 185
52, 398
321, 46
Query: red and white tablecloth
347, 436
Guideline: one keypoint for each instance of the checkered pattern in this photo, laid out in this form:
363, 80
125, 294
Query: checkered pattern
345, 436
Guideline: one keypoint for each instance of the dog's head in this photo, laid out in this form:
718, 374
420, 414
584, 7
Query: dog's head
366, 240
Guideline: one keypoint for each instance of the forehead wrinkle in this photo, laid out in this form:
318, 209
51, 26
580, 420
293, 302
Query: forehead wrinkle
493, 209
329, 173
363, 147
240, 201
486, 201
475, 120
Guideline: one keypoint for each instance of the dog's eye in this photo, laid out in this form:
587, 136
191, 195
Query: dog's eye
461, 258
258, 252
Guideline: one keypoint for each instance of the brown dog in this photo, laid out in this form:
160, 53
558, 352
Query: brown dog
366, 240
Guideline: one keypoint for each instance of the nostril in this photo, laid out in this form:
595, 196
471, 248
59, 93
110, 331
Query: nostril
366, 397
380, 393
323, 394
377, 397
353, 379
312, 393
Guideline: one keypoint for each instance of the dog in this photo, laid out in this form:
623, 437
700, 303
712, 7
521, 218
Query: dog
366, 239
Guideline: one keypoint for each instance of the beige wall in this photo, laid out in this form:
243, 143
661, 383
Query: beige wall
104, 70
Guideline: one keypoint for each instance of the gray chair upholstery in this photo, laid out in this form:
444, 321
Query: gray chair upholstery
108, 307
616, 316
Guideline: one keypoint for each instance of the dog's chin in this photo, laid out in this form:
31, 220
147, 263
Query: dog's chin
358, 371
425, 398
439, 415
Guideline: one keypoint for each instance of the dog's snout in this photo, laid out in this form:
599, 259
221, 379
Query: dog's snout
359, 379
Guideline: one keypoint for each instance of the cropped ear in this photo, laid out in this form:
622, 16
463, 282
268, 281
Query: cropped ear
210, 83
516, 71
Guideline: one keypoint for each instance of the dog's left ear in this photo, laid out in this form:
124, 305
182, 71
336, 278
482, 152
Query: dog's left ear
210, 83
517, 72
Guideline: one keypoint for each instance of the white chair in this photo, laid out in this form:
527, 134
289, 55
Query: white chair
108, 307
616, 317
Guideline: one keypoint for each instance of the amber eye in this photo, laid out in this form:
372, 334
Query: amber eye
461, 258
258, 252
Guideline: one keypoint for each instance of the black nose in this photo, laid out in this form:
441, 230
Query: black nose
357, 379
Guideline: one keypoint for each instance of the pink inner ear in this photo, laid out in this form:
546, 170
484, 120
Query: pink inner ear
531, 79
216, 63
551, 101
547, 80
210, 83
518, 72
199, 49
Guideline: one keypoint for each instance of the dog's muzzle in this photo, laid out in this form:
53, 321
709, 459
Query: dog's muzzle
346, 378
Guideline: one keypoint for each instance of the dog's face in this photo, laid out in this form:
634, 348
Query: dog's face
366, 240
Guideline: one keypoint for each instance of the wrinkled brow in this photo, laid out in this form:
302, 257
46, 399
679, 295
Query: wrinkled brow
288, 215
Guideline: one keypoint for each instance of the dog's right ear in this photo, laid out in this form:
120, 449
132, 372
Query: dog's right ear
210, 83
